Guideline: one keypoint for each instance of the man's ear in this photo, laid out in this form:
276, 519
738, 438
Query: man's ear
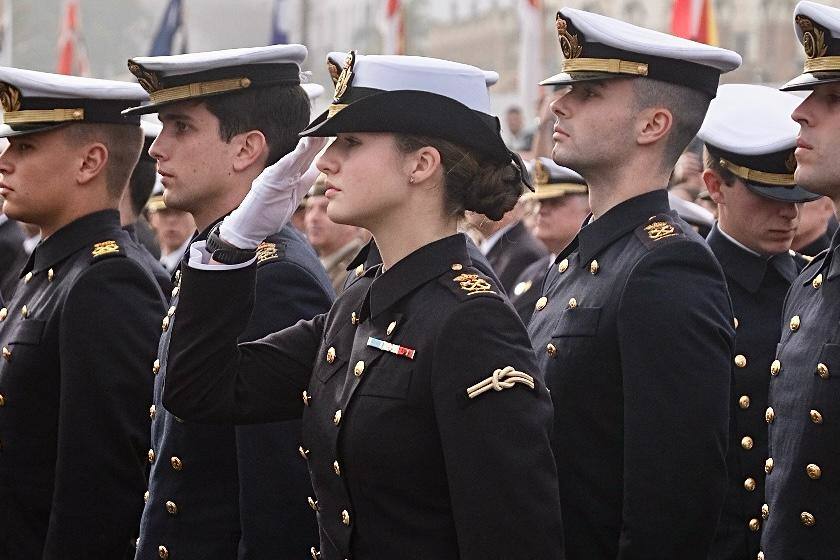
92, 163
714, 184
654, 124
250, 147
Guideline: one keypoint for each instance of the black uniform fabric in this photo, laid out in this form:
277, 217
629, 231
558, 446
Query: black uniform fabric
817, 246
403, 464
77, 339
12, 256
526, 289
635, 338
757, 286
802, 485
514, 251
151, 262
227, 492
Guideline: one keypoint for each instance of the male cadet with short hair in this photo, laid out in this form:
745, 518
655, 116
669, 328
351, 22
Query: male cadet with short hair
227, 492
802, 487
749, 139
563, 205
634, 327
80, 331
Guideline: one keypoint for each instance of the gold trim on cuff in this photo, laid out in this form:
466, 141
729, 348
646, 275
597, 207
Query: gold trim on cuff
747, 174
609, 65
198, 89
43, 115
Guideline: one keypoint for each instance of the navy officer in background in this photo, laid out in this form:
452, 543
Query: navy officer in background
634, 327
79, 335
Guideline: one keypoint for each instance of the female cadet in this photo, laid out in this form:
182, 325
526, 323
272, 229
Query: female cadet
425, 424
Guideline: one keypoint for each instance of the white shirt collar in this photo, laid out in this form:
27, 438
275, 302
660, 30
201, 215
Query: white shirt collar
170, 262
491, 241
738, 243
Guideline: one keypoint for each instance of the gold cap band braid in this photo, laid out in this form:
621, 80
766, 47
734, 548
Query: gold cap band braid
752, 175
43, 116
822, 64
198, 89
608, 65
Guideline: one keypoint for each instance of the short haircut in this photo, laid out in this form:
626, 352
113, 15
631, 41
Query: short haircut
514, 109
711, 161
280, 112
140, 184
687, 106
123, 143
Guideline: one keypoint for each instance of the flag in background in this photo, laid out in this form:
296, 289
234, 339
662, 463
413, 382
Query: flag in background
393, 28
695, 20
278, 34
530, 53
172, 29
5, 32
72, 54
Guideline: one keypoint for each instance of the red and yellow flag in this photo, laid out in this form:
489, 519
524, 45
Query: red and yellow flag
695, 20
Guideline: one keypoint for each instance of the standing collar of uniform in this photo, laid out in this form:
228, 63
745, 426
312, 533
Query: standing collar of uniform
72, 237
618, 221
744, 266
834, 256
416, 269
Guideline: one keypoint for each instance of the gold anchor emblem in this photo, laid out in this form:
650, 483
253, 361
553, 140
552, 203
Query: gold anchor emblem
345, 78
473, 284
813, 38
105, 248
569, 43
659, 230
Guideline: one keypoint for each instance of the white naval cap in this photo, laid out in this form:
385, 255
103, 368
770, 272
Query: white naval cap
36, 101
170, 79
748, 130
597, 47
554, 181
313, 91
414, 95
817, 27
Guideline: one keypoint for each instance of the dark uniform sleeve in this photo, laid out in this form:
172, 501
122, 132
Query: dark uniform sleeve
501, 472
212, 379
676, 342
273, 480
109, 328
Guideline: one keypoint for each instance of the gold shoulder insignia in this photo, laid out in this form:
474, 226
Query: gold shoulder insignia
501, 379
522, 287
105, 248
267, 252
474, 284
660, 230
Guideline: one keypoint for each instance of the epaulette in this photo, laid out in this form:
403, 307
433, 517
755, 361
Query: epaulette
269, 252
468, 284
659, 229
105, 250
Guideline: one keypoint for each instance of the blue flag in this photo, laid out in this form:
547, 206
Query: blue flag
278, 34
171, 26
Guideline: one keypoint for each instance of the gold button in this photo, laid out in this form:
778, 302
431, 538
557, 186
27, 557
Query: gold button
171, 508
163, 553
817, 281
2, 400
814, 471
765, 511
146, 497
769, 415
749, 485
50, 275
563, 266
24, 312
593, 267
735, 321
151, 455
551, 350
360, 270
336, 468
312, 503
390, 330
175, 291
457, 266
775, 367
7, 354
768, 465
164, 326
794, 323
747, 442
744, 402
807, 519
822, 371
345, 517
359, 369
152, 412
816, 417
354, 319
572, 303
754, 525
171, 311
760, 556
4, 313
312, 552
740, 361
541, 303
330, 355
244, 82
28, 277
176, 463
156, 367
337, 417
303, 452
306, 398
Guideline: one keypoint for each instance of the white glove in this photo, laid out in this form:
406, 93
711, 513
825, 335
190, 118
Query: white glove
273, 197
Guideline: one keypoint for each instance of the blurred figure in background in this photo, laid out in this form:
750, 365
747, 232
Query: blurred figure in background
817, 223
518, 137
174, 230
11, 252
